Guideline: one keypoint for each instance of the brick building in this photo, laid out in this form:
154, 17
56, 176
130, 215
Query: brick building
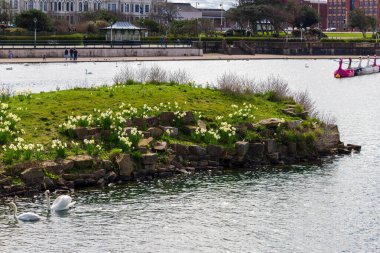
339, 10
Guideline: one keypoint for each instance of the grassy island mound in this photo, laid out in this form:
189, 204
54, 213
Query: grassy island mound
132, 130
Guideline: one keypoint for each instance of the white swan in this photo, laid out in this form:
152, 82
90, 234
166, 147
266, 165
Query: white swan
29, 216
88, 73
62, 202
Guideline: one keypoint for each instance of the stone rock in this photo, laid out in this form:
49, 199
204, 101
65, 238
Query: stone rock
274, 158
128, 130
48, 183
168, 129
70, 177
110, 176
145, 142
52, 167
107, 165
140, 123
242, 148
201, 124
128, 123
256, 151
197, 150
344, 151
82, 161
106, 134
356, 148
99, 174
94, 131
271, 122
160, 146
182, 171
294, 124
66, 164
152, 121
292, 148
329, 139
150, 158
126, 166
5, 181
270, 146
149, 167
81, 132
203, 163
180, 149
155, 132
33, 175
188, 130
214, 150
167, 118
188, 118
143, 149
146, 134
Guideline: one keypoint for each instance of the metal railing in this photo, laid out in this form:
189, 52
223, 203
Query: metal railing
46, 44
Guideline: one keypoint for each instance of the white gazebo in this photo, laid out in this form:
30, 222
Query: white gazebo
123, 32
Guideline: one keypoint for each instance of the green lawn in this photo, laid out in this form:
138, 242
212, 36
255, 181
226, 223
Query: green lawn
42, 113
347, 35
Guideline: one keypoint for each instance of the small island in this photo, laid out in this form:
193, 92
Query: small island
142, 131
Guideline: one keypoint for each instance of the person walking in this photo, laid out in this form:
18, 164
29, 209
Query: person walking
75, 52
166, 41
66, 54
71, 54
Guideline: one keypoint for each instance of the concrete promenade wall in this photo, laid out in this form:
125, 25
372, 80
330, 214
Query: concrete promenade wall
100, 52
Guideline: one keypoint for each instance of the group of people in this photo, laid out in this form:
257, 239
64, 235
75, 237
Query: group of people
72, 53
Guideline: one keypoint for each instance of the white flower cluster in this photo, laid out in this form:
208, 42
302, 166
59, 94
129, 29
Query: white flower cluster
19, 148
245, 113
24, 93
227, 128
8, 123
58, 144
74, 122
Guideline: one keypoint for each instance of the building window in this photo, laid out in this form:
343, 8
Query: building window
80, 6
85, 6
59, 6
112, 7
126, 6
147, 9
137, 8
30, 5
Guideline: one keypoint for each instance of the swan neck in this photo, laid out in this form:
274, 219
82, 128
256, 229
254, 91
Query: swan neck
48, 202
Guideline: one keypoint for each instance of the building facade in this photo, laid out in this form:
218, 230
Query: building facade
339, 10
70, 9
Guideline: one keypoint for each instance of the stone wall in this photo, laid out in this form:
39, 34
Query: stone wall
157, 158
102, 52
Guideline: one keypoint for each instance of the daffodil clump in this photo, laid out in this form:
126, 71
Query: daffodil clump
74, 122
224, 134
22, 150
8, 122
92, 148
245, 113
59, 147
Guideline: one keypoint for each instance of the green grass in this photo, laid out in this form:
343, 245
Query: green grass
347, 35
42, 113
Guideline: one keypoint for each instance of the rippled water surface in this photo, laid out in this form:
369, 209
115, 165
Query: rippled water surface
334, 207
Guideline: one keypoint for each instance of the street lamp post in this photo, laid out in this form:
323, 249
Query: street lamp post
221, 16
301, 24
35, 31
111, 32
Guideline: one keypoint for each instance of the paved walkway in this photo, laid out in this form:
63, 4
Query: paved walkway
179, 58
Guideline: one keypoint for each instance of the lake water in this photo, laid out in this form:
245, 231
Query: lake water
334, 207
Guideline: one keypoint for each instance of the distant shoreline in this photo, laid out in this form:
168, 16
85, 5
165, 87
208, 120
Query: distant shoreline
178, 58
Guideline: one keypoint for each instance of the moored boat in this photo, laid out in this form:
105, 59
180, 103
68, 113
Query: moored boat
343, 73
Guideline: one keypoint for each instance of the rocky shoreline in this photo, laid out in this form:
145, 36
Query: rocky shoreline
157, 158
